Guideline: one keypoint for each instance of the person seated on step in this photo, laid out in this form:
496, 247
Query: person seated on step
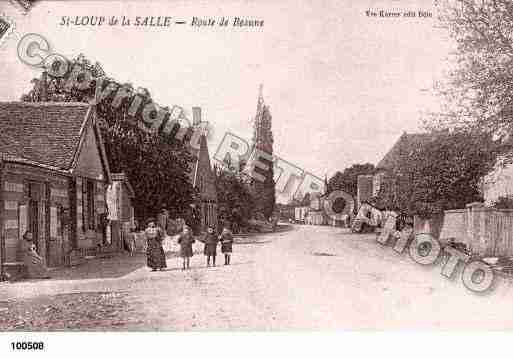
34, 263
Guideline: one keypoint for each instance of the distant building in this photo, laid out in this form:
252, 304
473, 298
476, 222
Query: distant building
53, 179
370, 185
316, 213
300, 213
366, 186
498, 183
120, 195
203, 178
323, 212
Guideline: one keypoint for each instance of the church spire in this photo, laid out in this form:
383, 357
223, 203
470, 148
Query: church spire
260, 102
262, 126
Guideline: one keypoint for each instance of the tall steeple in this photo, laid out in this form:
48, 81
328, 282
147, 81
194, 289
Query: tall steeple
264, 191
262, 126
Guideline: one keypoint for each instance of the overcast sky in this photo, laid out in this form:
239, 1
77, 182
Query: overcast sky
341, 86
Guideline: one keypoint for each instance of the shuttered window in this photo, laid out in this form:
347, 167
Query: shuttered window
22, 220
90, 205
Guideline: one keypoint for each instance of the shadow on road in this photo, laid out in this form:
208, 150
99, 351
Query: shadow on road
99, 268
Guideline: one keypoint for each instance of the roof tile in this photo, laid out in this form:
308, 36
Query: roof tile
46, 133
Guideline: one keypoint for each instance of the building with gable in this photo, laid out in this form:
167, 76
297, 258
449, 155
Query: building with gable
53, 179
202, 176
368, 186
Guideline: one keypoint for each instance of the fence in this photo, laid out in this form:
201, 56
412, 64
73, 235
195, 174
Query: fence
486, 232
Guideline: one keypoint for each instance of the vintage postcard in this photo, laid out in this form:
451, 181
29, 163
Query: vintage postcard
233, 165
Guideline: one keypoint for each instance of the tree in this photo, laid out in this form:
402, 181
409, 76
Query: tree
444, 173
234, 200
264, 191
347, 181
157, 166
479, 89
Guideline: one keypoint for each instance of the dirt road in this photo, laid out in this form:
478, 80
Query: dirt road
309, 278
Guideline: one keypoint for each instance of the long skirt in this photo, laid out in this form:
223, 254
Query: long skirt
156, 258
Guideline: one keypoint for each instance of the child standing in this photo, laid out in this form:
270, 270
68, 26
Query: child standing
210, 241
185, 240
226, 238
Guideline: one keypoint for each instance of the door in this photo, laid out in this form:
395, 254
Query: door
33, 221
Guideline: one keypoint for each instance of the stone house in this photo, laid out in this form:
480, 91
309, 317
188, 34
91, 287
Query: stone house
53, 179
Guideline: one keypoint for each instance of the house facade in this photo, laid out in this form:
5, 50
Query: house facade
120, 195
53, 180
498, 183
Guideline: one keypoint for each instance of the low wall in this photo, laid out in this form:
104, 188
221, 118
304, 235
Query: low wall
487, 232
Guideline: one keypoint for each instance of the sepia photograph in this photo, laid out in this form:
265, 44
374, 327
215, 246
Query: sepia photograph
246, 167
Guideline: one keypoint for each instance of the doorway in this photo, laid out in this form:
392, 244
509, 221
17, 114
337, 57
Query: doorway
33, 213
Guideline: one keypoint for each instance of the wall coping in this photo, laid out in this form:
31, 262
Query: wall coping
463, 210
479, 209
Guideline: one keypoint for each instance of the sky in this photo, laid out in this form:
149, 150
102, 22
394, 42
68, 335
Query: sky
341, 86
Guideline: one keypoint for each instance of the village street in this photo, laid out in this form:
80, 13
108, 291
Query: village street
310, 277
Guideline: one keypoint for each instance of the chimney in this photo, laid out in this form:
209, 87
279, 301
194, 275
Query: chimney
196, 115
44, 87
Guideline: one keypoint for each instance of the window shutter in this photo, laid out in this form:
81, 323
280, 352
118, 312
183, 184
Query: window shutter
53, 223
22, 220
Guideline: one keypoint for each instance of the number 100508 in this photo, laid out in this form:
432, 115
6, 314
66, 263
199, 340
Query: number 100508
27, 345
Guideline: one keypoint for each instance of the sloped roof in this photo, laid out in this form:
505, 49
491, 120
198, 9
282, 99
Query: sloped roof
48, 134
43, 133
404, 145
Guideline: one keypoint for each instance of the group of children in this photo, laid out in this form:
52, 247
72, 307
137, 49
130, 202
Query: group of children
211, 241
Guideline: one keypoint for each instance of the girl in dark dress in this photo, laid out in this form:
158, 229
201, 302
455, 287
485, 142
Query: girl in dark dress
210, 241
226, 238
156, 258
185, 240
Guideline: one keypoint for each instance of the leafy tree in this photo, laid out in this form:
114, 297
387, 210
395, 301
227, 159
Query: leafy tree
479, 88
347, 180
157, 166
234, 200
444, 173
264, 192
